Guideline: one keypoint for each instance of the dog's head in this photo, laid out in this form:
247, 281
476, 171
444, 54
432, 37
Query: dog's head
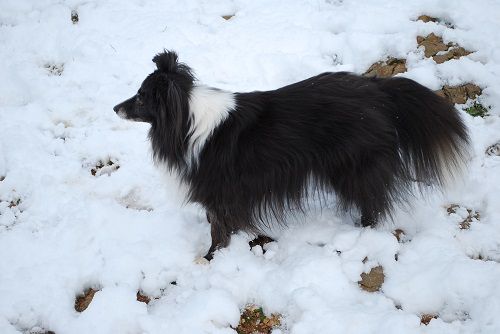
163, 102
163, 96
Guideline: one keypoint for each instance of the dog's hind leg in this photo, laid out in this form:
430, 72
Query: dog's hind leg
220, 235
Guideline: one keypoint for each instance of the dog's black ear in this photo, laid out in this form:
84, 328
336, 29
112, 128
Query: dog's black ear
166, 61
169, 144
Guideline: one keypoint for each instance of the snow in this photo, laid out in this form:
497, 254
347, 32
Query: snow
125, 229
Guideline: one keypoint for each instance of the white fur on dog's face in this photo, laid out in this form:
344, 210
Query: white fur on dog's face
208, 108
121, 112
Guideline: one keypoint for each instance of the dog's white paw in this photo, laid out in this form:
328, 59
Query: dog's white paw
201, 260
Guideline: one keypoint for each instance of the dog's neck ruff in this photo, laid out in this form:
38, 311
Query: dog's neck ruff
208, 107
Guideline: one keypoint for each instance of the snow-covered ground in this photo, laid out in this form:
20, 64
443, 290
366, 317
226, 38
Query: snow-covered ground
123, 230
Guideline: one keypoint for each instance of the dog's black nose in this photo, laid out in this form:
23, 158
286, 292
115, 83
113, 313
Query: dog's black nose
116, 108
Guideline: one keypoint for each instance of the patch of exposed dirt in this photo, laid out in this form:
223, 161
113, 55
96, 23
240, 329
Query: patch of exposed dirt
460, 94
439, 51
425, 319
143, 298
399, 234
373, 280
74, 17
253, 320
227, 17
466, 215
104, 167
493, 150
54, 69
387, 68
427, 18
83, 301
432, 44
454, 53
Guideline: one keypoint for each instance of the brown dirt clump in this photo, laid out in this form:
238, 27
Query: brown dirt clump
254, 321
373, 280
460, 94
432, 44
454, 53
399, 234
387, 68
434, 47
425, 319
427, 18
143, 298
83, 301
472, 215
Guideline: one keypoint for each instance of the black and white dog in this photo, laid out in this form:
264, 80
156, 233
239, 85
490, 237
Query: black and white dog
249, 158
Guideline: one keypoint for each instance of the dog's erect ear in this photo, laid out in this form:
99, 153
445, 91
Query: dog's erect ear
167, 61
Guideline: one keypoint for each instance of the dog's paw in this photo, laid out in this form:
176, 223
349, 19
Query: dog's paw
201, 260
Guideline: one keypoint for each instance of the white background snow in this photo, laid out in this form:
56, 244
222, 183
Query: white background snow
125, 230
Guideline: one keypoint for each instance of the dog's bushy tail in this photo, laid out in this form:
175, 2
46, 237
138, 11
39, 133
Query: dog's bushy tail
434, 143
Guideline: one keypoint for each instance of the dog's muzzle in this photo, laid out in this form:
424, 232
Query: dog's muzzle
120, 111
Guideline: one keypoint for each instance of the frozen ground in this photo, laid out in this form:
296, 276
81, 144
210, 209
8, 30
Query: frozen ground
122, 230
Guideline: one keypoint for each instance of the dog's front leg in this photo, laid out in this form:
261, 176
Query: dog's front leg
220, 235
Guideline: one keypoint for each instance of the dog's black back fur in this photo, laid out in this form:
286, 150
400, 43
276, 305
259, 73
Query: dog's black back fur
366, 139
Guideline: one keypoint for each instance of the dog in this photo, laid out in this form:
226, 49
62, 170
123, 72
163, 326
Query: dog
249, 158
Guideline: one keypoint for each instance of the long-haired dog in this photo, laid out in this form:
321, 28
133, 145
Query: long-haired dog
249, 158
